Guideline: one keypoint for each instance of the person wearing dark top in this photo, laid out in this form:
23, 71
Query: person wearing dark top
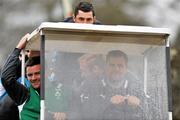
8, 108
91, 88
123, 91
18, 92
83, 13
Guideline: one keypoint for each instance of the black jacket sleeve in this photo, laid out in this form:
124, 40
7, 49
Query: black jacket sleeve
15, 90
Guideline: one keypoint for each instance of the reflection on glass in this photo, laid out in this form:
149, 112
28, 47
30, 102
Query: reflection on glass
105, 86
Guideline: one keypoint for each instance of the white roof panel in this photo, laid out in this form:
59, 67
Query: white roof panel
60, 28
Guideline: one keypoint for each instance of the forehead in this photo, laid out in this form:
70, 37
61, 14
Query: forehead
116, 60
33, 68
84, 14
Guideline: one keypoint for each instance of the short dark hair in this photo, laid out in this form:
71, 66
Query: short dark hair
116, 53
85, 7
33, 61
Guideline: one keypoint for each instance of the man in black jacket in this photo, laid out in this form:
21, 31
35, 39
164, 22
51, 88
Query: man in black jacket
8, 108
10, 80
124, 92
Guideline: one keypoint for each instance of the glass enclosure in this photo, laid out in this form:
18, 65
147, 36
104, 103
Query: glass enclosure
96, 76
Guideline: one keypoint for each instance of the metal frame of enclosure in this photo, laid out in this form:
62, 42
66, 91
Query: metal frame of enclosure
147, 49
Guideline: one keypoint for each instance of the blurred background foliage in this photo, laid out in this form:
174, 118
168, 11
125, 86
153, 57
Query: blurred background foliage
19, 17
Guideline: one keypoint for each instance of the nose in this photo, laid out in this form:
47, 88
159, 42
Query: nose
33, 77
84, 21
117, 68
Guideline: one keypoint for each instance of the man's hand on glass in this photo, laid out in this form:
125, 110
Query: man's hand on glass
59, 116
117, 99
133, 101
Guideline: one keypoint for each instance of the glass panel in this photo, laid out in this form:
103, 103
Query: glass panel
94, 78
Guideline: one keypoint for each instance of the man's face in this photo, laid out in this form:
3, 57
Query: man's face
116, 68
33, 75
85, 68
84, 17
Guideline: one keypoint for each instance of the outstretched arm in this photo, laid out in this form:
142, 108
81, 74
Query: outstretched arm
15, 90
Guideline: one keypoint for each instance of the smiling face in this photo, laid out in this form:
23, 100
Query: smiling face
33, 75
84, 17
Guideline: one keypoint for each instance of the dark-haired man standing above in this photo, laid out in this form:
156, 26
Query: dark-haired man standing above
83, 13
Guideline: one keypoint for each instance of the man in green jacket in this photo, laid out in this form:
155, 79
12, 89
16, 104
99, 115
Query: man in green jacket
19, 93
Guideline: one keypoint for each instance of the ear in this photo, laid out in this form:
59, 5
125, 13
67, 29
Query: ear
94, 19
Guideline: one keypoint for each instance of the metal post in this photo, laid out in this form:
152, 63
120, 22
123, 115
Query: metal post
42, 56
168, 67
22, 66
145, 75
22, 73
146, 70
